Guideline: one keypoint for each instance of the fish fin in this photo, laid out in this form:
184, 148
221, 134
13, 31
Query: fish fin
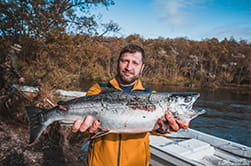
36, 127
100, 133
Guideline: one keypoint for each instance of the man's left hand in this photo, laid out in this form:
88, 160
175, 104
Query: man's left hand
167, 124
171, 121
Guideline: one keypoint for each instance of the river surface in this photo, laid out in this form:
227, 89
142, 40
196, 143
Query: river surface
228, 111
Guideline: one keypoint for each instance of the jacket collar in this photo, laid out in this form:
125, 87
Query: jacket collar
137, 86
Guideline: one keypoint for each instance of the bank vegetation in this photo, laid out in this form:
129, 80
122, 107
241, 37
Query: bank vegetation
61, 57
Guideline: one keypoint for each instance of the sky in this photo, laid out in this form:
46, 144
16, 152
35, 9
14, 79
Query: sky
192, 19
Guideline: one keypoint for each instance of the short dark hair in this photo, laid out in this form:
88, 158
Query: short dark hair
132, 48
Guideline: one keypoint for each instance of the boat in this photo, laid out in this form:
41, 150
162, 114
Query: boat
187, 147
64, 94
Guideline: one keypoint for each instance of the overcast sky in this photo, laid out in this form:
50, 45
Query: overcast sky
193, 19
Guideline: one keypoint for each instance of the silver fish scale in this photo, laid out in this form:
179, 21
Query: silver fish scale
117, 100
133, 100
115, 97
115, 110
118, 112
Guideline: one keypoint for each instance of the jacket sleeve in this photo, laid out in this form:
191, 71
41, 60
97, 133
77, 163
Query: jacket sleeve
95, 89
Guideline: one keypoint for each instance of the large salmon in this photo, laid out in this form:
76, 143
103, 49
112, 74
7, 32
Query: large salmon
118, 112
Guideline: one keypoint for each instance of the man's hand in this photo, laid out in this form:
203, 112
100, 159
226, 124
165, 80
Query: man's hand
168, 124
171, 121
21, 80
88, 124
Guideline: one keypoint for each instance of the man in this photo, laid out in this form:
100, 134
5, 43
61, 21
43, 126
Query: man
122, 149
9, 74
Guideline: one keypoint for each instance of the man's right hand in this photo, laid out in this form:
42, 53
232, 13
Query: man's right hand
88, 124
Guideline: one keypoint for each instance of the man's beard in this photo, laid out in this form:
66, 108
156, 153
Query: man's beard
127, 80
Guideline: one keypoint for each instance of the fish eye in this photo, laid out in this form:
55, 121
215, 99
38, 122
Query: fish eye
187, 99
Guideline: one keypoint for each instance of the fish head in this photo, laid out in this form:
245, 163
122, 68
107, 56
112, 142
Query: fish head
184, 119
180, 104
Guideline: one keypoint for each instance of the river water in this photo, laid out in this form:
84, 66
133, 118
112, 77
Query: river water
228, 111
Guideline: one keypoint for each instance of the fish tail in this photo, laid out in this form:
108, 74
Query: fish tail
35, 120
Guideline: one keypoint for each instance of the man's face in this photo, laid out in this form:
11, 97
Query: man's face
130, 67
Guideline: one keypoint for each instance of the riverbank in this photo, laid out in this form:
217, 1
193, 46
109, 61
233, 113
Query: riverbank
49, 150
57, 146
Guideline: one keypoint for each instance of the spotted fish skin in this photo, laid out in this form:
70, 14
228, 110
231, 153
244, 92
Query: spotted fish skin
118, 112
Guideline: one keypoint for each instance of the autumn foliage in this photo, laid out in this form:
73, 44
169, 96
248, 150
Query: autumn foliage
64, 62
61, 48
